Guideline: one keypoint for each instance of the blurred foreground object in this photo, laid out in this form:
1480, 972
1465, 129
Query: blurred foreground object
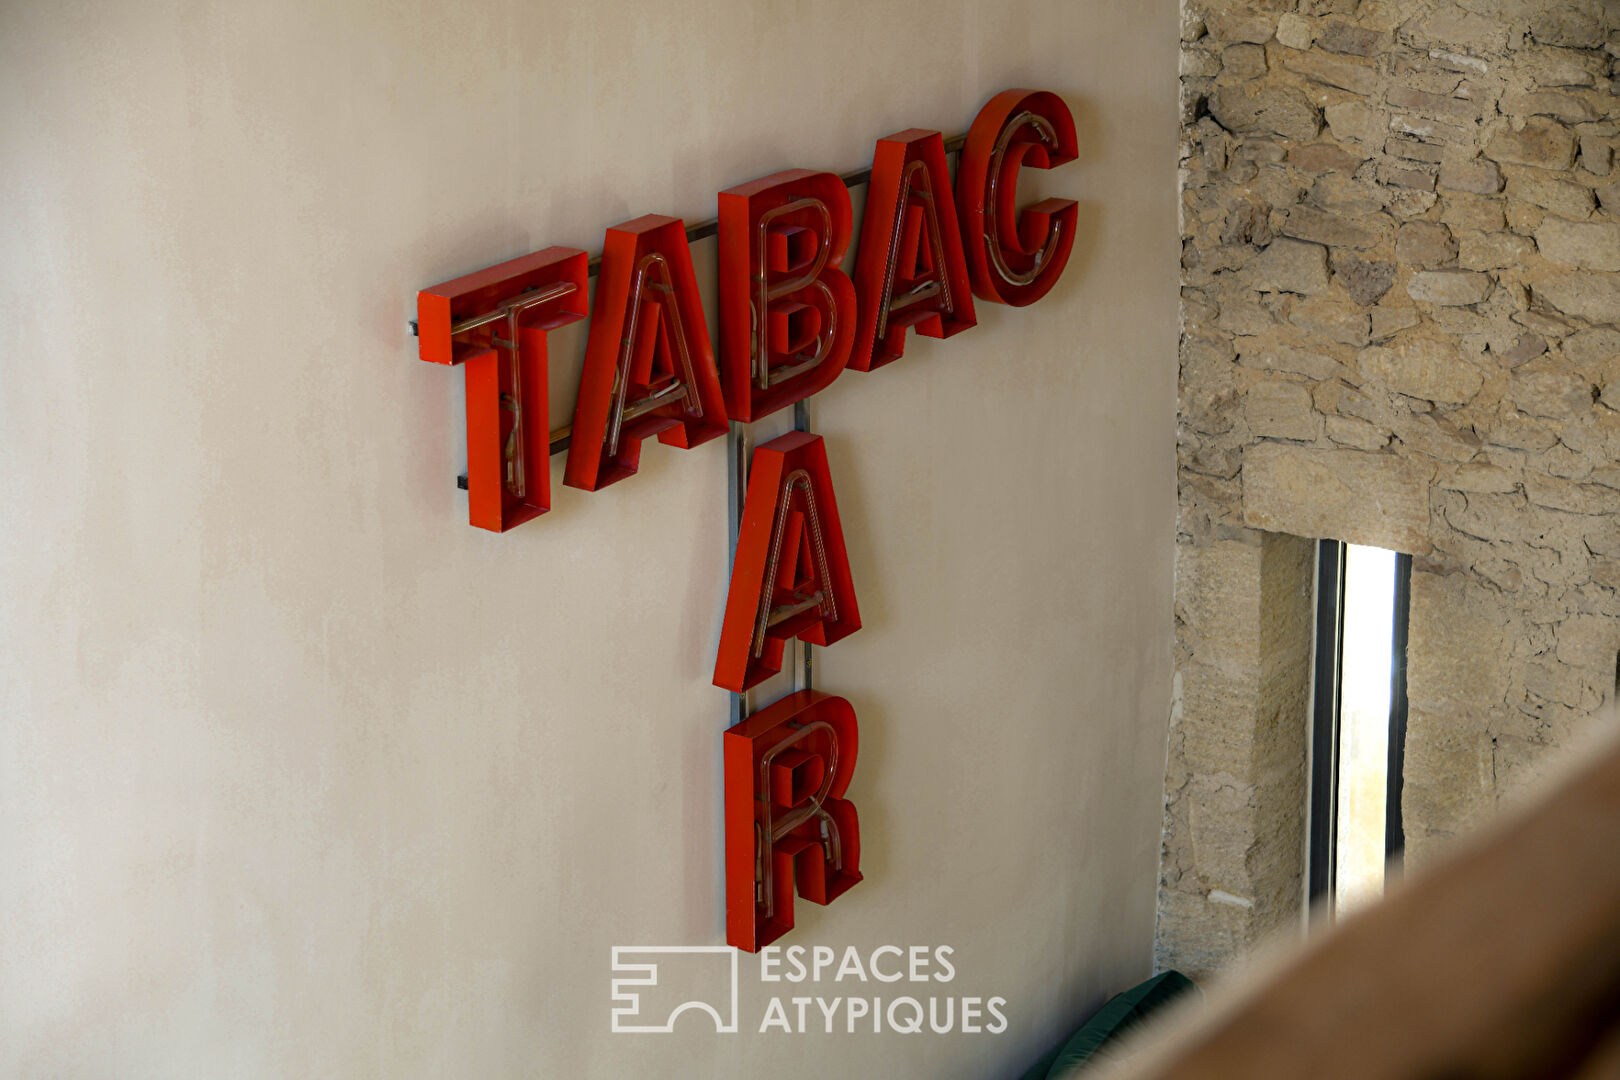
1502, 961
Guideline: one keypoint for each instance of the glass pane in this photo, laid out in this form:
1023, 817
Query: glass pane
1369, 622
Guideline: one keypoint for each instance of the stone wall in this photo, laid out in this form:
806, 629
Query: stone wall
1401, 327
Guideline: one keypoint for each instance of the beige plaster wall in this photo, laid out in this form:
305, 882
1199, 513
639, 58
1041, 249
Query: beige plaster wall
302, 776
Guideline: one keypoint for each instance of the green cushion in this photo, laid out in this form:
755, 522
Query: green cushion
1123, 1013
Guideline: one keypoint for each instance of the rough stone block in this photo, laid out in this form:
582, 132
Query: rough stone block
1440, 106
1353, 432
1241, 25
1526, 347
1459, 654
1576, 24
1303, 223
1441, 131
1453, 288
1563, 106
1425, 244
1480, 177
1453, 28
1365, 498
1364, 280
1589, 642
1257, 107
1331, 319
1450, 781
1391, 320
1596, 350
1560, 395
1557, 67
1587, 245
1295, 361
1574, 201
1343, 37
1295, 31
1597, 155
1344, 195
1593, 297
1407, 204
1244, 315
1545, 144
1453, 61
1354, 122
1422, 368
1524, 218
1322, 157
1199, 63
1243, 62
1478, 478
1416, 179
1277, 408
1587, 499
1516, 431
1492, 251
1290, 266
1335, 71
1609, 196
1544, 321
1436, 438
1404, 146
1471, 212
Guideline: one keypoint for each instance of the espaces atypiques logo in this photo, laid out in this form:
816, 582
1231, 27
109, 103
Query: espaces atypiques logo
812, 989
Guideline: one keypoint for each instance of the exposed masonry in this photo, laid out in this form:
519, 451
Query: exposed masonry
1401, 326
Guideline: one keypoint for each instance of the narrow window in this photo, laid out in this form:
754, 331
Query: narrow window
1359, 722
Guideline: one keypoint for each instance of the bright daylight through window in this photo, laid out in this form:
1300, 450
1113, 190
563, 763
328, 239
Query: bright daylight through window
1364, 714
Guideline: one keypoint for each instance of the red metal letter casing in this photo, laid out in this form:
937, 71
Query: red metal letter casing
788, 824
494, 322
1015, 260
791, 576
649, 369
910, 271
787, 313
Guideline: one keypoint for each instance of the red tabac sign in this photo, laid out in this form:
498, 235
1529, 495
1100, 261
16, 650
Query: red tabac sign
793, 314
791, 318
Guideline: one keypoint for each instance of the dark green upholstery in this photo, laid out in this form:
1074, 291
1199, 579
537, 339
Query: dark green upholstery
1123, 1013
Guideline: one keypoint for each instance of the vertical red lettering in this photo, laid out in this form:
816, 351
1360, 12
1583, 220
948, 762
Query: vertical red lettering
788, 825
791, 577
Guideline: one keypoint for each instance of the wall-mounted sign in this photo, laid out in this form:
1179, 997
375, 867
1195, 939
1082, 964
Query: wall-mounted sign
790, 321
790, 318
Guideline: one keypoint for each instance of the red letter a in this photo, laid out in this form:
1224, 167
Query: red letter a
791, 577
911, 271
649, 369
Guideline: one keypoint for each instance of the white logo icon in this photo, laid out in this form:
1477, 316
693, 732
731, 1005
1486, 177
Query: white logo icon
638, 967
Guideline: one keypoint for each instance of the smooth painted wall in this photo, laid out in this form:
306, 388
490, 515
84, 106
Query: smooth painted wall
302, 776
